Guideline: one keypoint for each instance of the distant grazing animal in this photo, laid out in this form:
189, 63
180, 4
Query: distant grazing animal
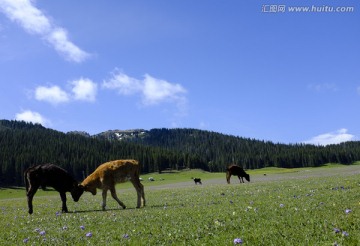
197, 180
237, 171
107, 175
151, 179
53, 176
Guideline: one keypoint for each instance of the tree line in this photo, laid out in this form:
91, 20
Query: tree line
218, 150
25, 144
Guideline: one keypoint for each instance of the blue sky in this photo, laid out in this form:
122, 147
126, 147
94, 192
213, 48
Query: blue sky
256, 69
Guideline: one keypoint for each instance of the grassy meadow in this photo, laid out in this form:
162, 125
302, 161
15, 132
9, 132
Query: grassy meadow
308, 206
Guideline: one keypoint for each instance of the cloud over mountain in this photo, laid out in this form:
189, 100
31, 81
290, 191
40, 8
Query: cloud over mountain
335, 137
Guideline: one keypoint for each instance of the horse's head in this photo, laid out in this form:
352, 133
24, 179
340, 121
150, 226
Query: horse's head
77, 191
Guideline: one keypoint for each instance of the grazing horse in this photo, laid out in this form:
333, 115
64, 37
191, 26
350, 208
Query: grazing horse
107, 175
238, 171
197, 180
53, 176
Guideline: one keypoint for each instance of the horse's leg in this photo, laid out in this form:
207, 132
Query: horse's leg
63, 199
104, 193
240, 178
140, 192
228, 175
142, 195
30, 195
113, 194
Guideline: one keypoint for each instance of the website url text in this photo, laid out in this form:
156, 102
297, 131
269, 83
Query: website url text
278, 8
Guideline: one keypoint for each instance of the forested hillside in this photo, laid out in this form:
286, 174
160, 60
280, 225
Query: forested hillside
25, 144
218, 150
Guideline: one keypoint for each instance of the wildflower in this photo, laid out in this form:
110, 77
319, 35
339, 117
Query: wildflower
42, 233
345, 234
126, 236
37, 230
336, 230
57, 213
89, 234
347, 211
238, 241
25, 240
281, 205
82, 227
65, 227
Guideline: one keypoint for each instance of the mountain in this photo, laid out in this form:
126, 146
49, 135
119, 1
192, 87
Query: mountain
25, 144
81, 133
215, 150
122, 134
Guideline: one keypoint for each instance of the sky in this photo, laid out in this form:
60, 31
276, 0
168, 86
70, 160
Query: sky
282, 71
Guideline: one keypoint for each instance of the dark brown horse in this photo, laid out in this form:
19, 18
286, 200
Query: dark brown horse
53, 176
197, 180
237, 171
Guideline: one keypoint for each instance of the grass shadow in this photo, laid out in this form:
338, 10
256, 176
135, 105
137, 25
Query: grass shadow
12, 188
99, 210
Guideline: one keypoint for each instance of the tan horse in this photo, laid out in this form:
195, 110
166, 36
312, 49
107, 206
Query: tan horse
107, 175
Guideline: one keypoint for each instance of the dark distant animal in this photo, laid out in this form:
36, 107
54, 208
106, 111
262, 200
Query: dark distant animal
197, 180
107, 175
53, 176
237, 171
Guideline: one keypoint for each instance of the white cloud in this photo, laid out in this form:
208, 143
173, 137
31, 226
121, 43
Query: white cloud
323, 87
123, 83
34, 21
84, 90
203, 125
358, 90
53, 94
58, 37
157, 90
30, 116
335, 137
152, 90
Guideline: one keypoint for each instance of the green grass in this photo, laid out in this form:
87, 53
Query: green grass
180, 176
294, 210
